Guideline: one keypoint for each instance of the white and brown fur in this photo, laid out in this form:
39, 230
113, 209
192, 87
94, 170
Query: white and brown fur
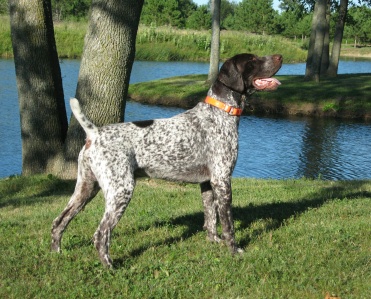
197, 146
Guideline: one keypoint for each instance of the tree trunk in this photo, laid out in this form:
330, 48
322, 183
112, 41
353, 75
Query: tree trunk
325, 59
106, 64
316, 41
215, 42
338, 38
39, 83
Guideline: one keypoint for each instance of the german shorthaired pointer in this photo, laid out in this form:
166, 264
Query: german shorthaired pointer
197, 146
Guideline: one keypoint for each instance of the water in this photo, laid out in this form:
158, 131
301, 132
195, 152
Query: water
277, 148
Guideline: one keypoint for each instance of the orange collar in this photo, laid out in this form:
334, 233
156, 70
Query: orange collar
225, 107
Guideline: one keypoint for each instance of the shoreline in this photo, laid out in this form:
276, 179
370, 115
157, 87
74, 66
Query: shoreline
294, 97
270, 109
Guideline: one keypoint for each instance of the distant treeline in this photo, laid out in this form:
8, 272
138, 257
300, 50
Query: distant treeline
256, 16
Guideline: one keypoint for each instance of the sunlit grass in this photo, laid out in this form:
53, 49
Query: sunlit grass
166, 43
302, 238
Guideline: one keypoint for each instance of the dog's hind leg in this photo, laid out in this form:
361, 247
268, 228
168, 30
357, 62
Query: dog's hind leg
84, 192
210, 212
118, 195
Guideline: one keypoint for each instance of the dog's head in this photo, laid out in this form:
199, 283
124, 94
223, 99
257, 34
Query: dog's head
245, 73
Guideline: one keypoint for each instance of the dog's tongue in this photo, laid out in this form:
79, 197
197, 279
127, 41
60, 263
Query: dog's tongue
267, 83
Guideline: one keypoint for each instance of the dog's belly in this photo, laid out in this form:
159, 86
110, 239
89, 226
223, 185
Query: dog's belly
189, 174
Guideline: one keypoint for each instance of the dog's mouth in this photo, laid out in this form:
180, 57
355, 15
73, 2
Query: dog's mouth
266, 84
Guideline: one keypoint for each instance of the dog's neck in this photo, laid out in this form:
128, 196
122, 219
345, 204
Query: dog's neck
226, 95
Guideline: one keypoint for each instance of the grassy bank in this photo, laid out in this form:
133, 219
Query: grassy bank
167, 44
302, 239
347, 96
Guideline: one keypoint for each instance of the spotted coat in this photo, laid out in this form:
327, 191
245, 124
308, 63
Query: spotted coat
197, 146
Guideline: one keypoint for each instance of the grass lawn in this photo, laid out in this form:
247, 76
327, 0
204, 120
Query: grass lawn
347, 96
302, 239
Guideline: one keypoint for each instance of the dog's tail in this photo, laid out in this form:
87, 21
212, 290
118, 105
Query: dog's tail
90, 129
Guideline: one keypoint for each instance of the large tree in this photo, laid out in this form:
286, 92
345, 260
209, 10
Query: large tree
40, 91
48, 144
106, 64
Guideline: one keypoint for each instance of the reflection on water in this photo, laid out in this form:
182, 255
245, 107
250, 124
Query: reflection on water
269, 147
336, 150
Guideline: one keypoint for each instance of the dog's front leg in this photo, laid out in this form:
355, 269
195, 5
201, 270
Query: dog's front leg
210, 217
223, 196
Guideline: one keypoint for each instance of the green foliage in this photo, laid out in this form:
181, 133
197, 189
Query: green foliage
302, 238
358, 26
3, 7
199, 19
167, 12
255, 16
70, 9
295, 25
6, 49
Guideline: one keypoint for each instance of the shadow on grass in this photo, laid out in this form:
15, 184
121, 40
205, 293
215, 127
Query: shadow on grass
13, 190
277, 213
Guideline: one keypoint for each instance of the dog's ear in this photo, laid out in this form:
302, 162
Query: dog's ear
231, 76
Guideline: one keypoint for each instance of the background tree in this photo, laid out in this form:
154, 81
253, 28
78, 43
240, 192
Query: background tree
227, 14
4, 7
256, 16
70, 9
317, 37
167, 12
338, 38
199, 19
39, 83
358, 25
215, 42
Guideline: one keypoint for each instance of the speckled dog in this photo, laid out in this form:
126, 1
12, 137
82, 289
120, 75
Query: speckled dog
198, 146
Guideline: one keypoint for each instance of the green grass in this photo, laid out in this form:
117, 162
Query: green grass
347, 96
165, 43
302, 238
69, 37
168, 44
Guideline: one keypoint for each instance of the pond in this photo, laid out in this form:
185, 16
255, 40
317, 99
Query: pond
278, 148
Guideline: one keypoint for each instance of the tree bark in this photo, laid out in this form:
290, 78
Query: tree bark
316, 41
325, 59
109, 51
338, 38
215, 42
39, 83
